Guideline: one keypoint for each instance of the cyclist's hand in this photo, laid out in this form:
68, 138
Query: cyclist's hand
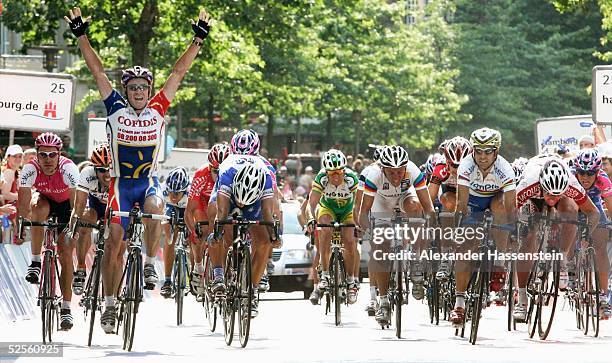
202, 27
584, 243
77, 25
278, 242
359, 232
8, 209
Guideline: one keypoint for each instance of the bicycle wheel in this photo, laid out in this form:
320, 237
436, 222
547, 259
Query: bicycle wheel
399, 297
44, 298
245, 294
482, 278
93, 290
179, 276
339, 285
207, 300
229, 305
591, 294
130, 301
510, 295
547, 296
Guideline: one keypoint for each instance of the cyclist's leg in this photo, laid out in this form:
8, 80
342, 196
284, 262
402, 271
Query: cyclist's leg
196, 243
448, 200
65, 249
261, 248
40, 213
529, 244
600, 241
350, 247
153, 203
325, 216
168, 251
83, 245
567, 209
500, 216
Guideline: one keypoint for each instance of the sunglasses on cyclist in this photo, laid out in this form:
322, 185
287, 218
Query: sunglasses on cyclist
214, 170
335, 172
487, 151
101, 169
138, 87
586, 172
47, 154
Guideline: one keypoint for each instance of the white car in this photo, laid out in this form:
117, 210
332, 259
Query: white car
292, 262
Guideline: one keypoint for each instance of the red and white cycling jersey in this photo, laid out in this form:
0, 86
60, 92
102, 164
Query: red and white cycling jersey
55, 187
135, 140
202, 187
529, 187
441, 175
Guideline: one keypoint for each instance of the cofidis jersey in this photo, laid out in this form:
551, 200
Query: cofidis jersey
135, 140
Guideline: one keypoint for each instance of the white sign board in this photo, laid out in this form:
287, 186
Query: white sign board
97, 136
551, 132
191, 159
601, 100
36, 101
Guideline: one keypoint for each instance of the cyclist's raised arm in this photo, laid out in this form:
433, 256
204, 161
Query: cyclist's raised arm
79, 29
201, 30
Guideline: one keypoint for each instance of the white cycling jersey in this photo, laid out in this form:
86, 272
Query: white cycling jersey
90, 184
529, 187
364, 174
499, 178
387, 196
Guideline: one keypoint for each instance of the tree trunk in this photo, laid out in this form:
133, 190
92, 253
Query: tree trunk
298, 135
270, 135
211, 110
143, 33
356, 116
328, 131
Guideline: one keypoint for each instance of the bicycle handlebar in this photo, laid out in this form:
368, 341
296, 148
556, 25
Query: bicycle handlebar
160, 217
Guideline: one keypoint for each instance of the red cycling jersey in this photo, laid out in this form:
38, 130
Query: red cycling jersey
202, 187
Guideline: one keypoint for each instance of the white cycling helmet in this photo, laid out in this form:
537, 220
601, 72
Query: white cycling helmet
554, 177
393, 157
334, 160
457, 149
249, 184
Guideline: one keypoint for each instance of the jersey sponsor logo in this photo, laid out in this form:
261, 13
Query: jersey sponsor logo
484, 187
500, 174
532, 191
137, 122
573, 193
404, 185
386, 186
28, 175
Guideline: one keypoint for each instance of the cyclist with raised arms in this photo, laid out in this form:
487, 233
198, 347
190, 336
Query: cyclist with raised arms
331, 200
176, 191
548, 181
198, 208
90, 207
54, 178
397, 183
485, 181
135, 125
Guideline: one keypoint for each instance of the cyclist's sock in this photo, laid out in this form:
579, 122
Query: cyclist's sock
109, 301
350, 279
168, 279
81, 267
460, 300
373, 293
150, 260
36, 258
199, 267
522, 298
66, 304
218, 272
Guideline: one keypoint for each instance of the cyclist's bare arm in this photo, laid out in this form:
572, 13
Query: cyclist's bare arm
223, 203
608, 204
313, 201
183, 64
79, 204
357, 205
510, 205
425, 199
94, 63
433, 191
591, 212
23, 205
366, 205
462, 199
192, 204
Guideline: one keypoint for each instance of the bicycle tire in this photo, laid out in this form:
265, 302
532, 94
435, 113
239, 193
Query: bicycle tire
338, 287
549, 289
245, 289
591, 294
398, 300
209, 306
44, 298
482, 278
510, 296
93, 295
229, 311
179, 275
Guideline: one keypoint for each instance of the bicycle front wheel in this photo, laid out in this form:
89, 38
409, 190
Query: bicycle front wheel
179, 285
92, 295
590, 298
245, 294
399, 298
547, 296
207, 300
229, 305
482, 278
338, 283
